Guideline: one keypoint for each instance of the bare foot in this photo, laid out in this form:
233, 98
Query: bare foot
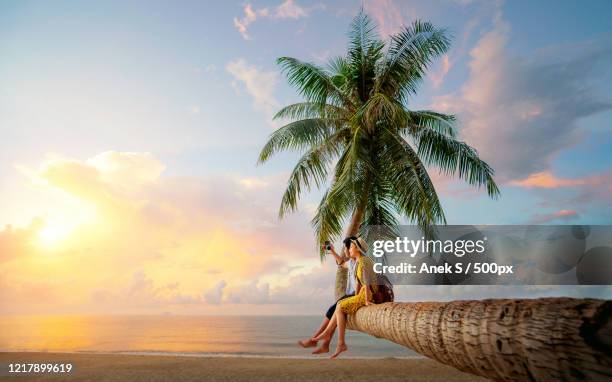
324, 348
339, 349
309, 343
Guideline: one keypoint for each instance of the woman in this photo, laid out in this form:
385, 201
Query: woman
366, 287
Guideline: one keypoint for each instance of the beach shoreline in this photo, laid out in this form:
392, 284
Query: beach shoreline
306, 355
141, 367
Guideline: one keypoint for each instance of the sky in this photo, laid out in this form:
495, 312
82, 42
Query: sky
130, 132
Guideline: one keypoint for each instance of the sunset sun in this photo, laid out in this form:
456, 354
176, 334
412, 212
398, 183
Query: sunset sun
58, 229
52, 234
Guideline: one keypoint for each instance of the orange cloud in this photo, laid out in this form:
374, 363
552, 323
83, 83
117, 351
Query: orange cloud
547, 180
130, 239
555, 216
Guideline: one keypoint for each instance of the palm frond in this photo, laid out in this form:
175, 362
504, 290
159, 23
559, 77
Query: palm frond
341, 76
456, 157
306, 110
365, 49
381, 218
441, 123
298, 135
380, 210
380, 109
362, 34
414, 193
409, 54
313, 82
311, 170
331, 214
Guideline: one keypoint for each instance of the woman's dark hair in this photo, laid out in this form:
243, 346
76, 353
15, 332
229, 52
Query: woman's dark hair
348, 240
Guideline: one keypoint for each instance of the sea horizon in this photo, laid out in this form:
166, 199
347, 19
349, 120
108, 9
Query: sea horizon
255, 336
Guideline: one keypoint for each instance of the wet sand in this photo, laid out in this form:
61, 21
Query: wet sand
135, 368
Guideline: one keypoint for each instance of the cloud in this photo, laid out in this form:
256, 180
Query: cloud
142, 292
156, 243
252, 293
438, 77
561, 215
16, 241
288, 9
386, 14
149, 242
306, 292
253, 182
215, 294
463, 3
548, 180
250, 15
127, 168
596, 189
520, 113
591, 195
593, 189
260, 84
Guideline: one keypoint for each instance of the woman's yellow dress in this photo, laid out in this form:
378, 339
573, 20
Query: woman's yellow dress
365, 277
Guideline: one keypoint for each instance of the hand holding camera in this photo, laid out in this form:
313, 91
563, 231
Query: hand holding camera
328, 245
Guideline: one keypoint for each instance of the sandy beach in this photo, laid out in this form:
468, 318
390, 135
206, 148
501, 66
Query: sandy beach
110, 367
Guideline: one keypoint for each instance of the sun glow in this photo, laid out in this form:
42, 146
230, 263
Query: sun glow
53, 233
58, 229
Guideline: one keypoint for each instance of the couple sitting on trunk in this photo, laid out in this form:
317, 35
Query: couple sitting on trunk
360, 289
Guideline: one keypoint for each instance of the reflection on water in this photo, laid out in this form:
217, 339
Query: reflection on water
233, 335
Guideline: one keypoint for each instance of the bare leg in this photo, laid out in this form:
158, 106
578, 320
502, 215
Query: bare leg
329, 330
326, 336
322, 327
311, 342
341, 346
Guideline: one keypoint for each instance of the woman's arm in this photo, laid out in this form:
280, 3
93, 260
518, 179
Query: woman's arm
367, 277
339, 260
368, 296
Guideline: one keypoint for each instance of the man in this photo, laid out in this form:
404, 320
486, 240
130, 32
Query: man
350, 265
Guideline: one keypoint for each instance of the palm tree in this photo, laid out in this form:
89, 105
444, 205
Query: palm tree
355, 121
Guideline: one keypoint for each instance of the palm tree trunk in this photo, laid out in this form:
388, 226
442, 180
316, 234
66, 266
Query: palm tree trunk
548, 339
353, 228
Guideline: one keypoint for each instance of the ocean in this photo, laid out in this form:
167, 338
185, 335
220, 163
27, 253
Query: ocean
220, 336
